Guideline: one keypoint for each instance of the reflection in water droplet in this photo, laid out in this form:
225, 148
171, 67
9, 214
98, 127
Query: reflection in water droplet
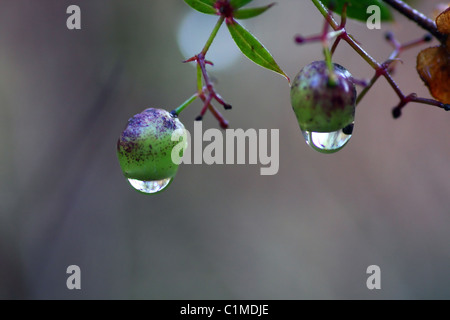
328, 142
150, 186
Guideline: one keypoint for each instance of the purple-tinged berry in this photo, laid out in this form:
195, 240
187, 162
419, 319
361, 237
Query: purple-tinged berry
144, 149
323, 102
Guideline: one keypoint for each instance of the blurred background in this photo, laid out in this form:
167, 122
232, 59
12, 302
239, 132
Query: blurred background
220, 231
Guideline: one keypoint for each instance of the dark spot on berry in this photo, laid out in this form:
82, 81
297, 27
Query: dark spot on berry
168, 124
338, 101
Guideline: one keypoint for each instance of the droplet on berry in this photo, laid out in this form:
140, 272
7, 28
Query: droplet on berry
328, 142
325, 109
150, 186
144, 149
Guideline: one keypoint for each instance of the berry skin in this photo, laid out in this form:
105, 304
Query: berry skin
321, 105
145, 146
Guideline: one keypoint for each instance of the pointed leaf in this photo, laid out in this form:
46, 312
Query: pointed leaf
204, 6
236, 4
252, 48
252, 12
357, 9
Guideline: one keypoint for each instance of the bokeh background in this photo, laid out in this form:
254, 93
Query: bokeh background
220, 231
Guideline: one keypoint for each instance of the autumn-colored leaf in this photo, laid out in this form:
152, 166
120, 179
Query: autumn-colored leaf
439, 8
443, 25
433, 64
443, 22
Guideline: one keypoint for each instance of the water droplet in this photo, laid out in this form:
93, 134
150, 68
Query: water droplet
328, 142
150, 186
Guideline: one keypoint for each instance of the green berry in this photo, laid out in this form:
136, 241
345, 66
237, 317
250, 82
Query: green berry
145, 146
321, 104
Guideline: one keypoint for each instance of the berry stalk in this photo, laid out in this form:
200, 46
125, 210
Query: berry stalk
383, 69
176, 112
213, 35
416, 16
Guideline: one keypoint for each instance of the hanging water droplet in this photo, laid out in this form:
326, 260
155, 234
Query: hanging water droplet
150, 186
328, 142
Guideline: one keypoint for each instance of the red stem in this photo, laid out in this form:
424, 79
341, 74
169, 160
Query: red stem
416, 16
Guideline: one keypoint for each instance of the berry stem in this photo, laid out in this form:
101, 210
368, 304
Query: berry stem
206, 92
212, 36
222, 121
176, 112
383, 69
207, 102
202, 65
199, 79
387, 65
363, 92
209, 85
323, 10
416, 16
332, 79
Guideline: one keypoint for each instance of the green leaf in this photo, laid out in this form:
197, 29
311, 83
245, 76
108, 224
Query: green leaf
236, 4
357, 9
252, 48
204, 6
252, 12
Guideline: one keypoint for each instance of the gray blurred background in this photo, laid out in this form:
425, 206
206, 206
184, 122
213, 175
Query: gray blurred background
220, 231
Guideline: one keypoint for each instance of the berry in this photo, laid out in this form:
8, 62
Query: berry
321, 104
145, 146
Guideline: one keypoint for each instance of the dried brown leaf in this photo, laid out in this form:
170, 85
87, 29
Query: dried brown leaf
439, 8
443, 22
433, 65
